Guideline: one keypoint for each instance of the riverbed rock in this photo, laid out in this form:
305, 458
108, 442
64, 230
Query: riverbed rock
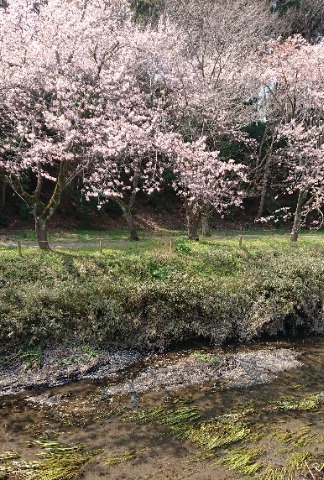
242, 369
260, 366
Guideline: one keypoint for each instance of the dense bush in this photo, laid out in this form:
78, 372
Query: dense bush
154, 300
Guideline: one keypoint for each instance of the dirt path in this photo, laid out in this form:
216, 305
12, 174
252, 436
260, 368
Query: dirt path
54, 245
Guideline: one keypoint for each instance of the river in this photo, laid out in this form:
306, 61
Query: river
126, 427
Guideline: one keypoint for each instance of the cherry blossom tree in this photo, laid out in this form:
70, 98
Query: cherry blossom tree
165, 133
144, 138
138, 165
218, 37
52, 59
87, 92
81, 94
204, 180
305, 157
290, 73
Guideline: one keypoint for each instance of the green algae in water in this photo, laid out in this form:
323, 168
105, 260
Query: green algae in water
243, 461
297, 386
58, 462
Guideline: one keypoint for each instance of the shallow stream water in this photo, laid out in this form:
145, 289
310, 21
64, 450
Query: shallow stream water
273, 431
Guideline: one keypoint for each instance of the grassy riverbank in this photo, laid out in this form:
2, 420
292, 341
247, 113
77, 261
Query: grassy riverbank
152, 294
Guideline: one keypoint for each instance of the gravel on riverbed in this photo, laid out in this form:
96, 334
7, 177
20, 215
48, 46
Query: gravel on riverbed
242, 369
59, 366
65, 365
259, 366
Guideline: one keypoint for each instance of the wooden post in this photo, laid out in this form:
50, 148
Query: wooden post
100, 245
240, 241
19, 248
171, 245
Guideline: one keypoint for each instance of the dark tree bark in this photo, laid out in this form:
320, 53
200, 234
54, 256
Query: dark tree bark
193, 214
130, 222
42, 213
264, 189
41, 233
265, 163
205, 221
298, 216
127, 207
4, 183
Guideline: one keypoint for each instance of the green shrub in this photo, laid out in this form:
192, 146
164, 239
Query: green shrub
152, 300
182, 245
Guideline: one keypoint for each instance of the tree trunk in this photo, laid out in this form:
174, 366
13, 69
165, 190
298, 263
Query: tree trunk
298, 216
193, 222
127, 207
130, 223
131, 226
264, 189
205, 221
43, 213
4, 183
41, 233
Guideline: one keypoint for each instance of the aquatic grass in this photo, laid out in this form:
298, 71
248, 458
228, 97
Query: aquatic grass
165, 415
295, 439
297, 464
176, 415
214, 435
242, 461
51, 447
20, 470
77, 413
297, 386
183, 422
208, 358
58, 461
218, 432
10, 455
306, 403
123, 457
